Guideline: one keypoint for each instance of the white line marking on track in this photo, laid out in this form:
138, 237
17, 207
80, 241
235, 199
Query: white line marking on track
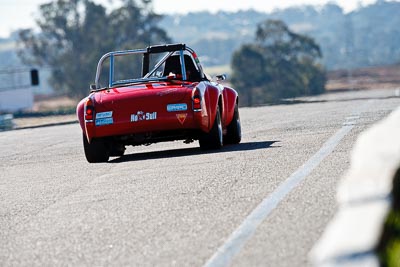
232, 246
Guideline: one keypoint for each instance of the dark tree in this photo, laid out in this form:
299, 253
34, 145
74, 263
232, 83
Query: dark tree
248, 79
74, 34
279, 64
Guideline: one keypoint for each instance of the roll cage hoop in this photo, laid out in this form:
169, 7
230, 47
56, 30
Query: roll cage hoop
170, 49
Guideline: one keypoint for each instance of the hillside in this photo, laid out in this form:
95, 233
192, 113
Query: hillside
364, 37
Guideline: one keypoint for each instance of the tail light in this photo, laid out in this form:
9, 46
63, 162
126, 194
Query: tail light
196, 100
89, 110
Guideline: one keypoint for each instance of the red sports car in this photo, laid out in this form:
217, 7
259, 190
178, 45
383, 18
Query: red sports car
154, 95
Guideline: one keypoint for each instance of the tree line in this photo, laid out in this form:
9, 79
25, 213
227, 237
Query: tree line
278, 64
74, 34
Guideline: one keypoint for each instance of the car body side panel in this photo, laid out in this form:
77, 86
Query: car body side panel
79, 113
212, 96
87, 127
230, 99
205, 114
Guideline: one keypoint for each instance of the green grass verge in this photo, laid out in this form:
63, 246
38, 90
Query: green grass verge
389, 253
389, 247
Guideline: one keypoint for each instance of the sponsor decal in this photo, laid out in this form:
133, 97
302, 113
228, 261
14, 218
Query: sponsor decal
181, 117
102, 115
105, 121
104, 118
142, 116
176, 107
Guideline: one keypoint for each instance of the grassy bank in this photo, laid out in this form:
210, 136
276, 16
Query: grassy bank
389, 246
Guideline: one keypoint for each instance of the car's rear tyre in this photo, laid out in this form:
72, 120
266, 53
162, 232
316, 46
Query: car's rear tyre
96, 151
234, 129
213, 139
117, 150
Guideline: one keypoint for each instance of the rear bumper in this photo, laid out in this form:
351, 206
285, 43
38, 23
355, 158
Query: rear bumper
157, 137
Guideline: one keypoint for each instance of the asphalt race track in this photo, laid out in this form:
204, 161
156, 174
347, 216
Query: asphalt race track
263, 202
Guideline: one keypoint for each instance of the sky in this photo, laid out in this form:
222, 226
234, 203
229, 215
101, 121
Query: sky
17, 14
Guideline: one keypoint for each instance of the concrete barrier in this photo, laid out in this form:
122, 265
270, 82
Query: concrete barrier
364, 198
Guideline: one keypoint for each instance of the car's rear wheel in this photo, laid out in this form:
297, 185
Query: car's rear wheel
117, 150
213, 139
96, 151
234, 129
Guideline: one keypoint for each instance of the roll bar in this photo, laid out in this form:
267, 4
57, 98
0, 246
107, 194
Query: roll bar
170, 48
